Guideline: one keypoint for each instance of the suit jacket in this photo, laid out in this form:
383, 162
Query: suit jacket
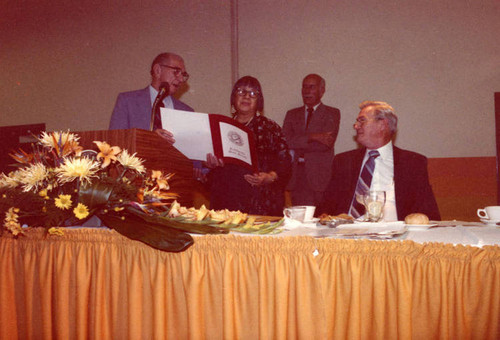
318, 157
133, 110
411, 184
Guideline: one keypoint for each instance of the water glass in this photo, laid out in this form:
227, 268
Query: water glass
374, 204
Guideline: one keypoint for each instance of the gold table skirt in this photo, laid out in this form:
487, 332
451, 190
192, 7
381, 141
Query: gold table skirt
97, 284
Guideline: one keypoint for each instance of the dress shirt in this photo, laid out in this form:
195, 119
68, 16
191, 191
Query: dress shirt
383, 179
167, 101
305, 111
300, 158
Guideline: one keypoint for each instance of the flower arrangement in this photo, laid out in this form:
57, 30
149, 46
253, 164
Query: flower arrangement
60, 184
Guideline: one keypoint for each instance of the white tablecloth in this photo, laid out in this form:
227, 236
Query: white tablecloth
450, 232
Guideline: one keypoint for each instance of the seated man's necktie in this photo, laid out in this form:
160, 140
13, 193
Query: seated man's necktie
364, 183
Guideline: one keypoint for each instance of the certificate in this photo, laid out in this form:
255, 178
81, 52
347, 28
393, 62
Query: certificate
197, 134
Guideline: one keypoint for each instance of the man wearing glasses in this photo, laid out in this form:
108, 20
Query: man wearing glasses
400, 173
133, 109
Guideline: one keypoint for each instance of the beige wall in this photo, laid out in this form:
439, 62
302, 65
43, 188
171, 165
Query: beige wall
437, 62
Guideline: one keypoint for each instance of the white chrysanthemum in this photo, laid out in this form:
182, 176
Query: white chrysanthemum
51, 139
77, 168
11, 180
131, 161
33, 176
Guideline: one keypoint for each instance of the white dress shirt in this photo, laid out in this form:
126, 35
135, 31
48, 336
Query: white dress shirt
383, 179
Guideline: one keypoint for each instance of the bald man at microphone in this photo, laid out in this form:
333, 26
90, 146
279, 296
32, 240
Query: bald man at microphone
134, 109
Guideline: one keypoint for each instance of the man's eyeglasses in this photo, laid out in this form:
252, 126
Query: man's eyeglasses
362, 121
243, 92
178, 72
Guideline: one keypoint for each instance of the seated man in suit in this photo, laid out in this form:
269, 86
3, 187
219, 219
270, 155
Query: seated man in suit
133, 109
401, 173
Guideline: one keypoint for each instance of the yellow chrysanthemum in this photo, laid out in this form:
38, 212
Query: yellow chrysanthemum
63, 202
11, 214
56, 231
77, 168
33, 176
107, 153
11, 223
131, 161
81, 211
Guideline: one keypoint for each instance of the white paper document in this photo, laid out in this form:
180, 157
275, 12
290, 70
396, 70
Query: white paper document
197, 134
191, 130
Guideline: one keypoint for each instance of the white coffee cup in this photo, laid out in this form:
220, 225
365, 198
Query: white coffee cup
309, 215
490, 213
295, 213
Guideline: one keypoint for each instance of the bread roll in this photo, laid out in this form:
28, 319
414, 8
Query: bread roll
417, 218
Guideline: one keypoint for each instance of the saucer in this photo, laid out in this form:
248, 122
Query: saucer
314, 220
421, 226
489, 222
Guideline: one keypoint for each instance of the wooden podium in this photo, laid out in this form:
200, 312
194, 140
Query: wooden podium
156, 153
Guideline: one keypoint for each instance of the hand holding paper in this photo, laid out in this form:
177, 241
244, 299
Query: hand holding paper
167, 135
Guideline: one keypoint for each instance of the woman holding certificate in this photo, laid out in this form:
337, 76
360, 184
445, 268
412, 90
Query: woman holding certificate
235, 187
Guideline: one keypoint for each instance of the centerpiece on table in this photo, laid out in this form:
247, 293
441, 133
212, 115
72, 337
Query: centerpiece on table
58, 184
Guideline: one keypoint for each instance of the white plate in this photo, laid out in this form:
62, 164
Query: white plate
489, 222
314, 220
382, 230
420, 226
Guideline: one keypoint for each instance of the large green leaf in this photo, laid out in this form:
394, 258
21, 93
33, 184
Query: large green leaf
194, 227
95, 194
153, 234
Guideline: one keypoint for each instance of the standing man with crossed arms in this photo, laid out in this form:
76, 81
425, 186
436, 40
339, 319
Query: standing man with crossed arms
311, 131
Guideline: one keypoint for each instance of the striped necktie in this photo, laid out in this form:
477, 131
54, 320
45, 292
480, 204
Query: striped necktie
364, 182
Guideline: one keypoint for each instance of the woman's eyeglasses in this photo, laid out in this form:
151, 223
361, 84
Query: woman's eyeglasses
251, 93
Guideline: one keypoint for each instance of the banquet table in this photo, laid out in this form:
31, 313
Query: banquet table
93, 283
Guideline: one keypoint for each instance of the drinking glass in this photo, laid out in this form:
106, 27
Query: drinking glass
360, 198
374, 204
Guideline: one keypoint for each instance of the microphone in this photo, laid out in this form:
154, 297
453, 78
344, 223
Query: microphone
164, 90
162, 93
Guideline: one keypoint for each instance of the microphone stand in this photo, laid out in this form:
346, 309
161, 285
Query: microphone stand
162, 93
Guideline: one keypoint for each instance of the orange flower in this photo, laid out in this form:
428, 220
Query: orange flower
72, 146
161, 180
107, 153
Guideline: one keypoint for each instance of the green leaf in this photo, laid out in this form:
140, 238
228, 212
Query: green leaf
187, 226
154, 235
95, 195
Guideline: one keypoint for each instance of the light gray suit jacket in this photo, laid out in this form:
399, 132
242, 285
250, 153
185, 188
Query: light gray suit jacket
318, 157
133, 110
